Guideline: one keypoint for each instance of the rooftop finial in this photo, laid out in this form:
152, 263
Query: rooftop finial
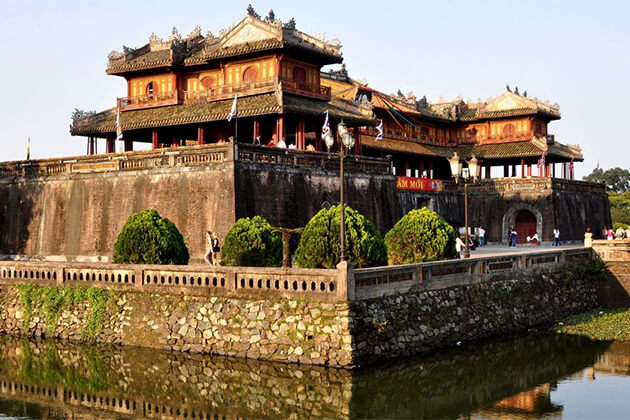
290, 24
271, 16
252, 12
516, 90
507, 87
525, 94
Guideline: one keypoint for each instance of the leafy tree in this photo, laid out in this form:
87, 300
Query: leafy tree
320, 246
148, 238
615, 179
252, 242
421, 235
619, 206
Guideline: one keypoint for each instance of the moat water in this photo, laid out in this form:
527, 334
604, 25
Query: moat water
535, 376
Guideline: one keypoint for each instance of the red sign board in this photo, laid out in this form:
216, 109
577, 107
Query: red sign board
418, 184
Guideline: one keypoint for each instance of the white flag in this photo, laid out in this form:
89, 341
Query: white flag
119, 133
234, 111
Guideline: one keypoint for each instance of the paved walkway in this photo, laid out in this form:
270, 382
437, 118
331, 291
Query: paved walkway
495, 250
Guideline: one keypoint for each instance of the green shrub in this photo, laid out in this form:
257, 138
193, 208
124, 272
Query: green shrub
421, 235
252, 242
618, 225
147, 238
320, 247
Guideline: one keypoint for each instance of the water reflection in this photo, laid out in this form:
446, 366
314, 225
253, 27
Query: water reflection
507, 379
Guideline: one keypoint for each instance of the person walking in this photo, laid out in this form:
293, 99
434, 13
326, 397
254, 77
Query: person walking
513, 235
482, 236
208, 254
216, 250
556, 237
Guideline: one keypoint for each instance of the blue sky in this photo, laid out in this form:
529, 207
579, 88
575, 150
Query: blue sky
571, 52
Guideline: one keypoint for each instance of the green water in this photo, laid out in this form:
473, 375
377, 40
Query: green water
536, 376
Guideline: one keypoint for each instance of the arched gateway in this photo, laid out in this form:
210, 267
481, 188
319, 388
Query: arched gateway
526, 219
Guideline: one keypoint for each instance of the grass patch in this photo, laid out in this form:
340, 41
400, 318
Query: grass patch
599, 324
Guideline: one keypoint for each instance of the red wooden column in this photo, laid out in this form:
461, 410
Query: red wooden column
110, 145
553, 170
488, 172
128, 145
256, 131
513, 171
522, 168
299, 135
279, 129
506, 171
420, 167
571, 171
529, 170
90, 145
430, 169
174, 141
547, 169
200, 135
155, 143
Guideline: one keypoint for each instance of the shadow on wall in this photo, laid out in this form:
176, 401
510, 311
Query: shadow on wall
17, 207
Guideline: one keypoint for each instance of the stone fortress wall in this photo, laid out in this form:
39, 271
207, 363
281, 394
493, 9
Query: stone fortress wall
343, 317
72, 209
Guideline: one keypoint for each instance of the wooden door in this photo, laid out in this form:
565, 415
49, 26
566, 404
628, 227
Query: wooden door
525, 225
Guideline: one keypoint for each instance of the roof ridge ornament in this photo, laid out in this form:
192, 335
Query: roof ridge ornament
175, 36
153, 38
195, 33
251, 12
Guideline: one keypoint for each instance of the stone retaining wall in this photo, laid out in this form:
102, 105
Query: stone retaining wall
439, 306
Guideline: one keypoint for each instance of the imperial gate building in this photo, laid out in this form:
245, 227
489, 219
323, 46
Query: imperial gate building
204, 172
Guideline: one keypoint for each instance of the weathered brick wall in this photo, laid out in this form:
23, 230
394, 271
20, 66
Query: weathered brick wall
80, 215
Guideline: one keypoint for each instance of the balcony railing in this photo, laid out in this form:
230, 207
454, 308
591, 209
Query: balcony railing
149, 101
216, 93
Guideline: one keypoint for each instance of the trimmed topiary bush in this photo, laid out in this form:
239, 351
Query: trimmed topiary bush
252, 242
421, 235
320, 247
147, 238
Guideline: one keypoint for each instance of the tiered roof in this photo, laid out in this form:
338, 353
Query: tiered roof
251, 35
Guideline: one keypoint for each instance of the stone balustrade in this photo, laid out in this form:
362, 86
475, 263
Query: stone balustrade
342, 284
382, 281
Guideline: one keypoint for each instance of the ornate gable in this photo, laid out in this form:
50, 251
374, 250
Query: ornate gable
508, 101
250, 30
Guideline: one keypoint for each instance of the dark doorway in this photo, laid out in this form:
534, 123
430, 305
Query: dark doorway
525, 225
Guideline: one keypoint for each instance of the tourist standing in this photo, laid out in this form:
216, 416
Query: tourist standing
556, 237
216, 250
482, 236
459, 246
513, 235
610, 235
208, 254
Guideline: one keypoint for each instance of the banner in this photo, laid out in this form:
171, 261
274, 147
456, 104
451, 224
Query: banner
418, 184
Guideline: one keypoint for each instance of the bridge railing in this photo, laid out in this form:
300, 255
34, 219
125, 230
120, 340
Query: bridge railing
328, 285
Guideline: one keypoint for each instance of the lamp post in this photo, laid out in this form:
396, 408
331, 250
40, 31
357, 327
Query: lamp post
346, 140
471, 172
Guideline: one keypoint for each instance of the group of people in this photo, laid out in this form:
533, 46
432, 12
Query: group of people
620, 233
213, 250
534, 239
282, 144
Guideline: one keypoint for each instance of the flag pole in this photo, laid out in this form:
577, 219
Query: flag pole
236, 129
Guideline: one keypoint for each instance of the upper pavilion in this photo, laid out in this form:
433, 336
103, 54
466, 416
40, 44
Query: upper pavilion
180, 92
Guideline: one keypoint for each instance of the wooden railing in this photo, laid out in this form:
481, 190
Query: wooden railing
225, 91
